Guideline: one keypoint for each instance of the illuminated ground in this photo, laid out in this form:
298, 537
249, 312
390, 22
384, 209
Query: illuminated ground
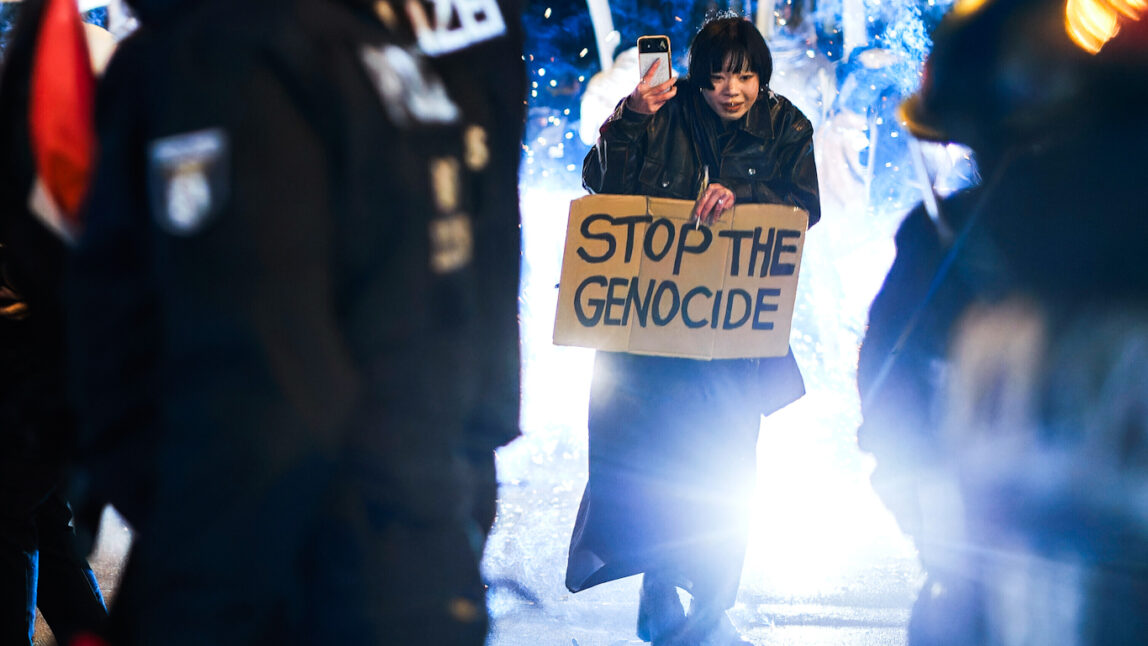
823, 569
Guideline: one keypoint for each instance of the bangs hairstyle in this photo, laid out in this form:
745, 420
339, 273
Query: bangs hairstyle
729, 44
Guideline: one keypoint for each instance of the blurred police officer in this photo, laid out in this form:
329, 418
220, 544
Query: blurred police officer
278, 375
1055, 220
41, 563
477, 50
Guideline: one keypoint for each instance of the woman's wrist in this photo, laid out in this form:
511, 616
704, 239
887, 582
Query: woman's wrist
629, 114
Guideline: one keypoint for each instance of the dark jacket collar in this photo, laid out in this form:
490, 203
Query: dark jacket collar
759, 121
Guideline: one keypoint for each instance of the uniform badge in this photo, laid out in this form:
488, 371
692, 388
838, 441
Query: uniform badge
454, 24
477, 151
386, 14
187, 179
452, 243
451, 237
445, 183
411, 93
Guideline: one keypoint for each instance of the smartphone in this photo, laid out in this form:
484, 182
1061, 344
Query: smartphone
650, 49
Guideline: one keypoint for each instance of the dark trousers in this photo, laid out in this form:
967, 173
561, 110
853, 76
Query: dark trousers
40, 566
672, 466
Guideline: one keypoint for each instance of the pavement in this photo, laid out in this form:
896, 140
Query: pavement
763, 623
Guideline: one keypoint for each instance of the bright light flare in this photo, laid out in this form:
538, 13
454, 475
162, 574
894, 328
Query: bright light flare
1092, 23
816, 523
966, 7
1131, 9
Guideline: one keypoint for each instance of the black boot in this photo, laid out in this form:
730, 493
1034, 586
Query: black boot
660, 610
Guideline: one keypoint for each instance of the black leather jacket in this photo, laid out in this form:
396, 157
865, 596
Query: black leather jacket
767, 160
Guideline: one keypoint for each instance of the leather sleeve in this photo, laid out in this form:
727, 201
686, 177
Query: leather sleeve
612, 165
795, 152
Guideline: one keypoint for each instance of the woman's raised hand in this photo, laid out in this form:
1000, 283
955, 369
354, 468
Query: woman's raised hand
646, 98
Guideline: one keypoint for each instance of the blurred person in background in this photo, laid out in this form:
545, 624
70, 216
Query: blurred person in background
46, 63
672, 440
284, 371
1053, 225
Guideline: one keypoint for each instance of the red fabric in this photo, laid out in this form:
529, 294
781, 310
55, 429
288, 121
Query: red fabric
61, 123
87, 639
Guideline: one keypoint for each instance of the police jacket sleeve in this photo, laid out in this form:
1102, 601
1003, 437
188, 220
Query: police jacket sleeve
612, 165
110, 300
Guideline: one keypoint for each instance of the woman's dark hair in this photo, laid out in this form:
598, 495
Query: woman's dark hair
729, 44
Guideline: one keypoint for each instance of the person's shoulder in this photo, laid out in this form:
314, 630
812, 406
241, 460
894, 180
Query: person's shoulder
785, 115
915, 227
227, 27
220, 42
919, 227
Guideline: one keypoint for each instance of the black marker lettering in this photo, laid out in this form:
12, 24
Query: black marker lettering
743, 296
764, 248
612, 300
649, 242
762, 306
690, 323
596, 303
707, 238
641, 307
630, 221
666, 286
611, 243
786, 268
735, 248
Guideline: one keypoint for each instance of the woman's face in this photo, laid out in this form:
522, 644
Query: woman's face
733, 94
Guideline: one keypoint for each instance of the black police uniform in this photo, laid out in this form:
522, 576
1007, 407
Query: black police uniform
40, 561
285, 343
480, 60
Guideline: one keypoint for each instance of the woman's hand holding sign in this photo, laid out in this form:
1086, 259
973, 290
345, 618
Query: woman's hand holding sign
647, 98
714, 200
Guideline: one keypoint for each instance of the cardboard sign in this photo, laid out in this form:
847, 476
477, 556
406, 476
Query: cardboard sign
639, 276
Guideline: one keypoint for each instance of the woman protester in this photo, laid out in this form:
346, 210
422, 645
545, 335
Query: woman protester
672, 440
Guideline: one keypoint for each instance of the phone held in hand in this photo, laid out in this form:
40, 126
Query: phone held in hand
654, 48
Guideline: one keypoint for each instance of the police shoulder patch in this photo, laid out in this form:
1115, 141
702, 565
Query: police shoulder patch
452, 25
410, 91
188, 179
